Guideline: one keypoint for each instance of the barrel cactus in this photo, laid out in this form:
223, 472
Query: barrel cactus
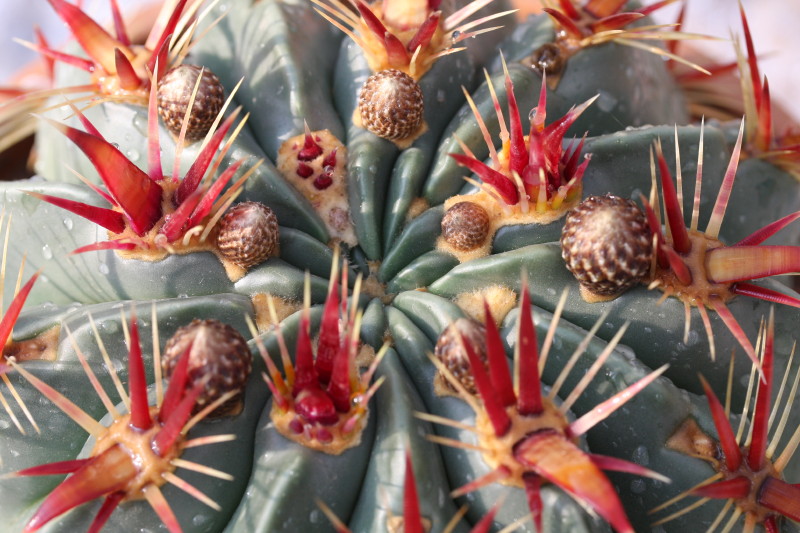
397, 266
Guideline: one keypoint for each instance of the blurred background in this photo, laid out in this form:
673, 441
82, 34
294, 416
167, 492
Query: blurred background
773, 23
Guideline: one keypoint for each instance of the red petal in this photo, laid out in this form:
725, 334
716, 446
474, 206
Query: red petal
177, 385
677, 227
96, 41
727, 438
615, 22
735, 488
137, 195
329, 344
533, 492
119, 24
740, 263
50, 469
163, 41
198, 169
768, 231
109, 219
603, 8
110, 503
372, 21
503, 185
176, 420
128, 79
518, 153
566, 24
557, 459
108, 472
494, 409
412, 519
106, 245
137, 384
69, 59
425, 32
781, 497
13, 311
752, 58
498, 364
175, 223
530, 387
305, 373
756, 455
756, 291
395, 51
207, 203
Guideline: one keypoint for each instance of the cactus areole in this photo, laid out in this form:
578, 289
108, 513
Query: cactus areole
426, 266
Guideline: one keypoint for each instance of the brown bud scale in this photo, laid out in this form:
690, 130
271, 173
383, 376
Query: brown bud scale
390, 105
174, 92
218, 351
248, 234
607, 244
465, 226
450, 350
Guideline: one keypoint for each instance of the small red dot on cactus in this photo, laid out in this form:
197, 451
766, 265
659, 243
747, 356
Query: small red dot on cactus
311, 150
296, 425
323, 181
330, 159
323, 435
304, 171
316, 407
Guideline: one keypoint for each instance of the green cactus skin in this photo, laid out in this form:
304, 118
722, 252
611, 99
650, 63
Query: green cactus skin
297, 68
635, 86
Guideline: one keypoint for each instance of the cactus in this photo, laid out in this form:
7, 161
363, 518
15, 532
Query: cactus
383, 202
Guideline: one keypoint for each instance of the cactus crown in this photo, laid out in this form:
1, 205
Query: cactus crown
321, 401
531, 168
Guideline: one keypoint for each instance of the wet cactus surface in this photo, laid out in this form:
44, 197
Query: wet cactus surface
421, 357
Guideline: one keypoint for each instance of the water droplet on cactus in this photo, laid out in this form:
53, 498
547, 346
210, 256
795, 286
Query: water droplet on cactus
606, 101
103, 269
133, 155
29, 203
4, 424
641, 456
314, 516
47, 253
200, 519
638, 486
440, 96
68, 223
